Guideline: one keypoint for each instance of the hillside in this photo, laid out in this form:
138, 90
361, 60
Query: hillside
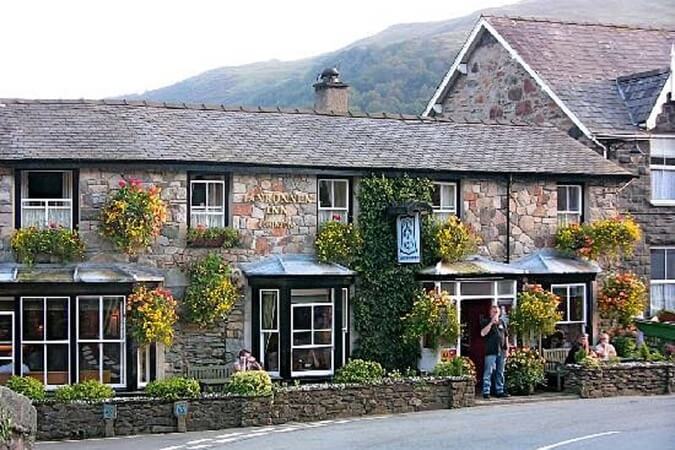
395, 70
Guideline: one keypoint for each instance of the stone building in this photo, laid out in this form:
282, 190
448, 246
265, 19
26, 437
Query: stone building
274, 176
609, 86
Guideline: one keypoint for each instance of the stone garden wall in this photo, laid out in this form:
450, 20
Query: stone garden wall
297, 404
22, 420
637, 378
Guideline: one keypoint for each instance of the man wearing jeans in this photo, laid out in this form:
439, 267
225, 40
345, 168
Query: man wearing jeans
496, 336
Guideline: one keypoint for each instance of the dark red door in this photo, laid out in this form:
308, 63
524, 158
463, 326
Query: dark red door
473, 344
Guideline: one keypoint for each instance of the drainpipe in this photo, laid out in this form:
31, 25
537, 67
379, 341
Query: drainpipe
509, 180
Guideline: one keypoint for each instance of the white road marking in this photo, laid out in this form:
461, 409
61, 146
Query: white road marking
197, 441
582, 438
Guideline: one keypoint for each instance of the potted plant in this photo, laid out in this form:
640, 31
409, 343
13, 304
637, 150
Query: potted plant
434, 323
524, 371
213, 237
536, 314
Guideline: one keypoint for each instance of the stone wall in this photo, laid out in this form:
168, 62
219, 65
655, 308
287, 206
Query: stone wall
534, 215
296, 404
6, 212
621, 379
496, 87
23, 419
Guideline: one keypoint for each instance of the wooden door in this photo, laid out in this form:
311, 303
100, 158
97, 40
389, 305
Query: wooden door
473, 344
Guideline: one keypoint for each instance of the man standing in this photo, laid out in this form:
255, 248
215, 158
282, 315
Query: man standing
496, 336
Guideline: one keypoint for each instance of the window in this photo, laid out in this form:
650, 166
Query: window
444, 200
572, 302
345, 325
662, 170
269, 330
569, 204
662, 290
311, 332
100, 339
6, 345
46, 198
207, 201
45, 334
143, 364
333, 200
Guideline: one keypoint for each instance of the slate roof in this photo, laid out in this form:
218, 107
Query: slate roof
293, 265
640, 91
116, 131
581, 63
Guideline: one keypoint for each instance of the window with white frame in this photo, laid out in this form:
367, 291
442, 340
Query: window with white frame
143, 364
100, 339
662, 171
662, 283
46, 198
6, 345
572, 302
345, 325
444, 200
311, 332
45, 339
333, 200
269, 330
569, 204
207, 201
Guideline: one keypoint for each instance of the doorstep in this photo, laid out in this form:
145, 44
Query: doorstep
520, 399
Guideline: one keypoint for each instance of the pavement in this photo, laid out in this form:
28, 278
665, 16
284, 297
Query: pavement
621, 423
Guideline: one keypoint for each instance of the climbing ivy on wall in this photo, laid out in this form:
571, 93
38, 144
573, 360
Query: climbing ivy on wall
386, 289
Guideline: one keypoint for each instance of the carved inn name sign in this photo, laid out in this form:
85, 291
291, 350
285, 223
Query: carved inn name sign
274, 204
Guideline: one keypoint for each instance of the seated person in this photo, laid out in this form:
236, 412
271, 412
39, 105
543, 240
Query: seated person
604, 349
580, 344
246, 362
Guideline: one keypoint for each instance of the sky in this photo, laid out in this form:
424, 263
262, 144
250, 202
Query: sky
101, 48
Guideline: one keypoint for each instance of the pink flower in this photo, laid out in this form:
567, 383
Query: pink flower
337, 217
122, 183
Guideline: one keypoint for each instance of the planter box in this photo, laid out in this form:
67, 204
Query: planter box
663, 330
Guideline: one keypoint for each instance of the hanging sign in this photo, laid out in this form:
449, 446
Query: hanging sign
408, 238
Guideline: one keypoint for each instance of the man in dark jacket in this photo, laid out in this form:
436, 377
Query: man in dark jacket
496, 336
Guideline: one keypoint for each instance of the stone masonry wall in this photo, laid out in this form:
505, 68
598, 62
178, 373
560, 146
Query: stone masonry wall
301, 404
534, 216
621, 379
6, 212
496, 87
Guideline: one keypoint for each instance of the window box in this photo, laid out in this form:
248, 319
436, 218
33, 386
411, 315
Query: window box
202, 237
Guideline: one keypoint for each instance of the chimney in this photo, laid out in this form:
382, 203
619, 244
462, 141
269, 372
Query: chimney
331, 94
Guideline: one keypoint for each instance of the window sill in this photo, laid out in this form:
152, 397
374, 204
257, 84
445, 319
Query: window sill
662, 202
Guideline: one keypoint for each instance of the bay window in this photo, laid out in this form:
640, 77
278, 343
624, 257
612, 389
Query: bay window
569, 204
444, 200
100, 339
333, 200
662, 283
47, 198
45, 339
572, 302
662, 169
207, 201
311, 332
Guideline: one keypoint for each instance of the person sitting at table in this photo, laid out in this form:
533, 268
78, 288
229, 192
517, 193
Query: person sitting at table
604, 349
580, 344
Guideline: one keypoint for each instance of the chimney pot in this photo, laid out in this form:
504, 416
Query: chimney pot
330, 94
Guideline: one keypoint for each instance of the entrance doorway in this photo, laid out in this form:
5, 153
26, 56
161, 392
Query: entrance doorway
473, 344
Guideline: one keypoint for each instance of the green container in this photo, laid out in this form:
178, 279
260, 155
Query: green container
660, 330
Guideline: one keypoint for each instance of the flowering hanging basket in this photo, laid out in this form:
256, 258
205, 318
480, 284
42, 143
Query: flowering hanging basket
151, 315
133, 217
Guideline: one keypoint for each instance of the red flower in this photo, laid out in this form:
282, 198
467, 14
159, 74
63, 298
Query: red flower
337, 217
122, 183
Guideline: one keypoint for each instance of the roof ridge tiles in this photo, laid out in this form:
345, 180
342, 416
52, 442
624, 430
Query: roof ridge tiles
644, 27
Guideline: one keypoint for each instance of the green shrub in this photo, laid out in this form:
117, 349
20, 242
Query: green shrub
455, 240
360, 371
338, 243
90, 390
62, 243
211, 294
28, 386
524, 371
251, 382
647, 354
173, 388
625, 346
456, 367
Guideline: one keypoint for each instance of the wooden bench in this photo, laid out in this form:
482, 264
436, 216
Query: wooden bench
210, 378
555, 364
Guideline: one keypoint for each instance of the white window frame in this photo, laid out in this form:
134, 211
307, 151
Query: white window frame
567, 287
440, 210
311, 330
343, 211
345, 324
495, 297
46, 204
101, 340
12, 358
140, 368
277, 329
44, 341
562, 214
206, 210
665, 153
666, 280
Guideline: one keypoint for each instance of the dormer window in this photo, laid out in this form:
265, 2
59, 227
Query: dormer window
46, 198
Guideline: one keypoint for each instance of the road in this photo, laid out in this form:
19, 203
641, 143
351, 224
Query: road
626, 423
